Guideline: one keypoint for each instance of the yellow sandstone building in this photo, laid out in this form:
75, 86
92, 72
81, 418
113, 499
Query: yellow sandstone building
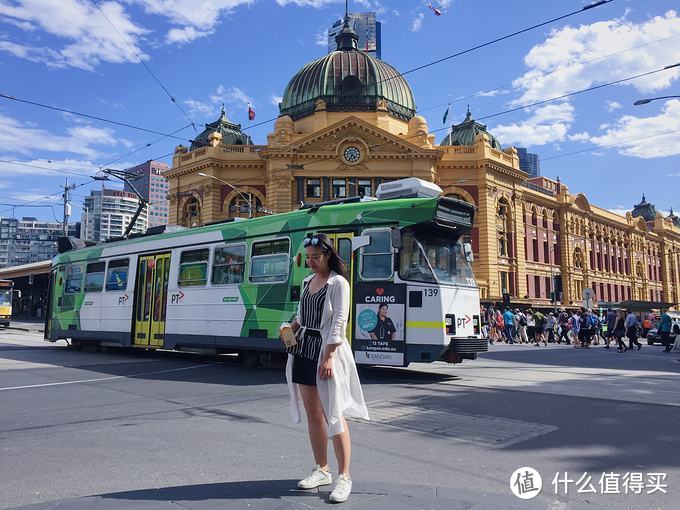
348, 123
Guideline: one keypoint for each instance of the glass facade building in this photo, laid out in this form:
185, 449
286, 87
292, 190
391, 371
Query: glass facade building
367, 28
153, 186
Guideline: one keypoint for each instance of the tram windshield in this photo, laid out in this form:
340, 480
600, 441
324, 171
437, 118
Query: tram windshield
431, 258
5, 296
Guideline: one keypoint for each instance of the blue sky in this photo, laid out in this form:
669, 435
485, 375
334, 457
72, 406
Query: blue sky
64, 53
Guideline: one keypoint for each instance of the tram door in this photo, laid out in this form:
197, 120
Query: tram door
151, 299
343, 244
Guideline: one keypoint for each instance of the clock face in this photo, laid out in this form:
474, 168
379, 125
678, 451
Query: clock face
352, 154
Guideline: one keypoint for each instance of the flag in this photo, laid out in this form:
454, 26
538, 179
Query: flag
251, 112
446, 114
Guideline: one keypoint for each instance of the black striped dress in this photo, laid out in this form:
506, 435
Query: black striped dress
306, 352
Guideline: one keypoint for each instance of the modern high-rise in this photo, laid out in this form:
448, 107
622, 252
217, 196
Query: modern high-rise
108, 212
153, 186
30, 240
367, 28
529, 162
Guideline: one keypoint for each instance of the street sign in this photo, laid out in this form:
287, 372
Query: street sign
588, 295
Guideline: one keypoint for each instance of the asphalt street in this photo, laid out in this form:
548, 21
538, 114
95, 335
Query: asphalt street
143, 430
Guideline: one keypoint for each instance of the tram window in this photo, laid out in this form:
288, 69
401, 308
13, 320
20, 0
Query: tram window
74, 279
270, 261
228, 265
193, 268
94, 277
116, 278
376, 258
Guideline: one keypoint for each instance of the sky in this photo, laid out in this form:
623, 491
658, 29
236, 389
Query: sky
84, 56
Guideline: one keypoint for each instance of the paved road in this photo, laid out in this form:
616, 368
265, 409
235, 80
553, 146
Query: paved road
167, 431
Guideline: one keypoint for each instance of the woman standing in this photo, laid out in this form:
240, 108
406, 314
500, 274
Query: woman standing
321, 366
620, 330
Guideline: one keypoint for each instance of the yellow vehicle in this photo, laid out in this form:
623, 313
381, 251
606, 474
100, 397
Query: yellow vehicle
6, 287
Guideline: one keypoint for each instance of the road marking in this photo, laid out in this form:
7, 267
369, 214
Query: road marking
105, 378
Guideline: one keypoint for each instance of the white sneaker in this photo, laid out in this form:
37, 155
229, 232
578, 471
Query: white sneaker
342, 490
318, 478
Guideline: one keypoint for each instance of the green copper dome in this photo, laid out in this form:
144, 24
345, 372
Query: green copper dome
348, 80
465, 133
231, 133
645, 210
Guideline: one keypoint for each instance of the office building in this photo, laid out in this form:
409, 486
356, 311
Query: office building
366, 27
529, 162
153, 186
108, 212
30, 240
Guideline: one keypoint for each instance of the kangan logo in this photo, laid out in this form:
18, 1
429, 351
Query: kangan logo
380, 291
123, 299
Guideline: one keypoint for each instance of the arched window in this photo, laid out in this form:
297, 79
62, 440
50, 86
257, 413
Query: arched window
534, 218
503, 229
238, 207
191, 213
351, 86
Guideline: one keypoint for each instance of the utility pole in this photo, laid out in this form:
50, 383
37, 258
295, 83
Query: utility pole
67, 207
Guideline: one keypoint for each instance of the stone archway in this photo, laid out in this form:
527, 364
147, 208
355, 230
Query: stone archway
191, 211
236, 204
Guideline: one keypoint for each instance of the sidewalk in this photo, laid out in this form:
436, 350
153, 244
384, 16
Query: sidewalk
31, 325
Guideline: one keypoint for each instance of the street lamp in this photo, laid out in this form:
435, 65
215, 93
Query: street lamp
645, 101
249, 198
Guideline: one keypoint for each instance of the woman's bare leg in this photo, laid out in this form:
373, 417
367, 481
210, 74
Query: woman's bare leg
343, 449
316, 424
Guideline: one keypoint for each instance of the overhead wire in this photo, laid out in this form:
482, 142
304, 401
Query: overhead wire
498, 39
42, 167
46, 196
132, 48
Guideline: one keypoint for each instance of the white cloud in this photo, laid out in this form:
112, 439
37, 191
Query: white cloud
579, 137
676, 174
620, 210
65, 165
576, 56
307, 3
633, 134
417, 23
202, 15
321, 38
233, 96
548, 123
85, 37
613, 105
185, 35
490, 93
275, 100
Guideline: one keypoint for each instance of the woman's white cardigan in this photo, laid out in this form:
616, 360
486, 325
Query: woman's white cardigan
340, 394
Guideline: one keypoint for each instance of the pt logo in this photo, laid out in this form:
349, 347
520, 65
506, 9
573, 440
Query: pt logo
123, 299
461, 322
176, 298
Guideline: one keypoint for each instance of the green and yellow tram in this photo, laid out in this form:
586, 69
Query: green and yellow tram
227, 287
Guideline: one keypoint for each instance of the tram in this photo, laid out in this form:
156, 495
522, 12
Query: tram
6, 287
226, 287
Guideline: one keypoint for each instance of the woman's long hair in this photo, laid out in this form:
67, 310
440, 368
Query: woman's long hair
335, 263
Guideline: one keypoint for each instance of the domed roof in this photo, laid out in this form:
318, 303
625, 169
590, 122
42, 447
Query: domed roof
465, 133
645, 210
348, 80
231, 133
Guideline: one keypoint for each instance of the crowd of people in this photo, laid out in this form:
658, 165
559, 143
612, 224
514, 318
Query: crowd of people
581, 328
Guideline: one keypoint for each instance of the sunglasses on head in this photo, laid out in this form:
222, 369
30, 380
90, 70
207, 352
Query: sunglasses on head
311, 241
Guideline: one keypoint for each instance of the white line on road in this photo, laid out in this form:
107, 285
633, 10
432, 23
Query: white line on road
105, 378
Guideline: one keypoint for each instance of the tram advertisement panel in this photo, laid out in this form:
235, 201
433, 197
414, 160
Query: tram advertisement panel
379, 312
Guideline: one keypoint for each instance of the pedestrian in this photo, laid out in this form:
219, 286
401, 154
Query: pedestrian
500, 325
539, 328
321, 366
611, 321
550, 327
584, 328
531, 326
632, 325
575, 328
522, 326
564, 327
665, 330
509, 323
619, 330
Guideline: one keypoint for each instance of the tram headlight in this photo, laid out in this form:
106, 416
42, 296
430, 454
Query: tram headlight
450, 323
